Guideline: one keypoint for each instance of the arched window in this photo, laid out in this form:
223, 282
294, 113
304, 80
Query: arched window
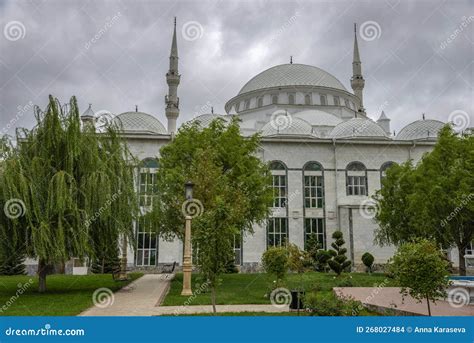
346, 102
147, 244
337, 102
356, 179
277, 227
383, 170
260, 102
323, 99
237, 106
247, 104
291, 99
307, 99
313, 185
274, 99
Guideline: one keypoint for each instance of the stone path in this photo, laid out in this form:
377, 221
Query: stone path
143, 296
388, 297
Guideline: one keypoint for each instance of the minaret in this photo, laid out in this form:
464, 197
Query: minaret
172, 78
357, 80
384, 123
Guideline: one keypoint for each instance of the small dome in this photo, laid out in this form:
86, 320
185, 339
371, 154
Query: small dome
139, 122
292, 75
358, 128
89, 112
287, 126
421, 129
206, 119
318, 118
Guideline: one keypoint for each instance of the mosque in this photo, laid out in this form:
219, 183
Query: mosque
326, 155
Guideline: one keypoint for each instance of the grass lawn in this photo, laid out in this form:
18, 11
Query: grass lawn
67, 295
252, 288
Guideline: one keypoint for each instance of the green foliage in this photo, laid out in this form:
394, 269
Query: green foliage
432, 200
231, 183
318, 256
368, 260
331, 306
106, 261
322, 259
339, 261
77, 186
421, 270
275, 261
297, 258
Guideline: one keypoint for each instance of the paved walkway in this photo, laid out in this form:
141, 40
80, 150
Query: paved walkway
143, 296
390, 298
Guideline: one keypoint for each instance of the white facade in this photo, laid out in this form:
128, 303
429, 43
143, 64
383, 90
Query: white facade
305, 115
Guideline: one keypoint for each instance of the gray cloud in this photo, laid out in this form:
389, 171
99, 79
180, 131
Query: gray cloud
114, 54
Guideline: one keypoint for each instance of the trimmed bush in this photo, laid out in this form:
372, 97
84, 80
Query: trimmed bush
275, 262
368, 261
339, 262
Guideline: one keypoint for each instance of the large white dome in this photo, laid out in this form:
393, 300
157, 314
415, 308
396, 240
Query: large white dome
292, 75
421, 129
358, 128
139, 122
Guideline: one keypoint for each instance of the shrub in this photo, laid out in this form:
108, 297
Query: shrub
332, 306
296, 258
368, 261
275, 262
339, 262
322, 258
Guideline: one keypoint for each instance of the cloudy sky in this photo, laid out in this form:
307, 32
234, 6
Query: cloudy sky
417, 55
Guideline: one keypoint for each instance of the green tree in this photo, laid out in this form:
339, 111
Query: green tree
433, 200
339, 261
232, 185
421, 270
275, 261
75, 185
368, 261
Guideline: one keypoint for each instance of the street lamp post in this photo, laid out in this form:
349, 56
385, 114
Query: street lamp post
188, 257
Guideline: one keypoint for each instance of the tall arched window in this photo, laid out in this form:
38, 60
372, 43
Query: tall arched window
277, 227
275, 99
147, 240
313, 185
247, 104
291, 99
307, 99
337, 102
260, 101
356, 179
323, 99
383, 170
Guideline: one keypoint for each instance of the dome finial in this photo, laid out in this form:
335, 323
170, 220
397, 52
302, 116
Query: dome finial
423, 115
212, 109
136, 108
291, 59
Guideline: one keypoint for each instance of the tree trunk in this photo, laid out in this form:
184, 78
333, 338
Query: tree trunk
429, 308
213, 299
462, 262
42, 272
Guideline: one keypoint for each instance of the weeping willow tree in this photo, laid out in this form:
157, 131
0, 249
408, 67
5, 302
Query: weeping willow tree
76, 187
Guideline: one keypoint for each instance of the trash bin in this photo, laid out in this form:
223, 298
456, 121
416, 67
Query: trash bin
297, 297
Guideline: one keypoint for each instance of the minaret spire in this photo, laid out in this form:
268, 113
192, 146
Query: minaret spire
172, 79
357, 80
